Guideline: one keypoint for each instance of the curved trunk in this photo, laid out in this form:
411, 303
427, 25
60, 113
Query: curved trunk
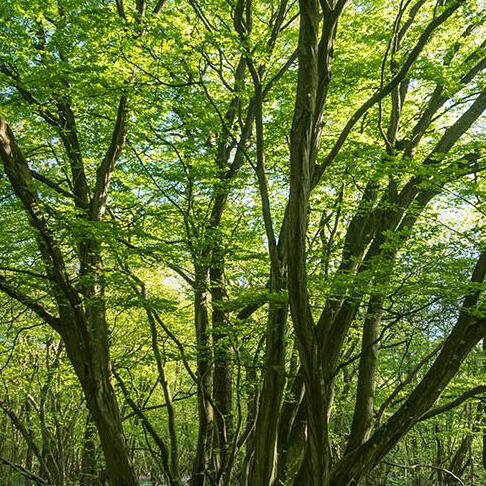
202, 464
263, 468
365, 399
88, 459
89, 355
223, 379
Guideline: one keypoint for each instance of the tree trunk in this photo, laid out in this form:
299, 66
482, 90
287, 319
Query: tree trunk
365, 399
89, 355
483, 458
202, 464
263, 467
88, 458
223, 380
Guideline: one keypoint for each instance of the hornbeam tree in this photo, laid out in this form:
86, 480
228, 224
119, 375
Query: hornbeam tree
255, 231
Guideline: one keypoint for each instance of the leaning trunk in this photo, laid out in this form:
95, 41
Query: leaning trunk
89, 354
263, 469
88, 459
202, 467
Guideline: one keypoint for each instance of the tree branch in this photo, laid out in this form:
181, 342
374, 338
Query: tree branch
105, 170
478, 390
387, 89
24, 472
29, 302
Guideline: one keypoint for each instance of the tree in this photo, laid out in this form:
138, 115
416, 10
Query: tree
267, 210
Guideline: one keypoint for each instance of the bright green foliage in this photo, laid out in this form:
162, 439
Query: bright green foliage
186, 74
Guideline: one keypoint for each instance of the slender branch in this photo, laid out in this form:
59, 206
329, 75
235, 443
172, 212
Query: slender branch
474, 392
105, 170
24, 472
45, 180
29, 302
24, 271
436, 468
386, 90
147, 424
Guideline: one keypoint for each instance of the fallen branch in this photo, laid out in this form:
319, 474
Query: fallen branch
29, 475
418, 466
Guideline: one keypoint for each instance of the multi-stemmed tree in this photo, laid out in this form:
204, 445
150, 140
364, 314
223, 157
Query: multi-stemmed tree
276, 163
